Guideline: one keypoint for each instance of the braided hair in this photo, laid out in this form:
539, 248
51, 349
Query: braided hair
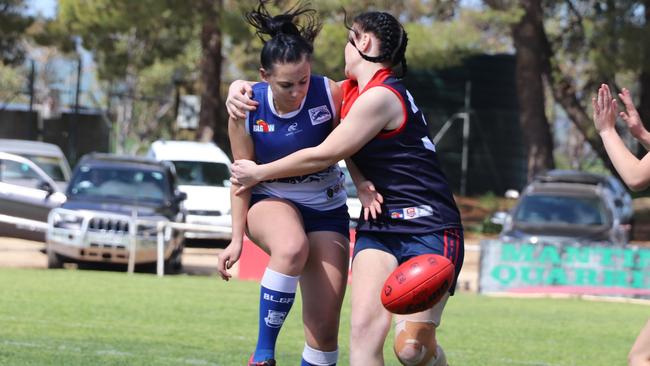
391, 34
284, 40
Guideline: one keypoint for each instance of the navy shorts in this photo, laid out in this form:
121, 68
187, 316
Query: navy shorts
336, 220
448, 243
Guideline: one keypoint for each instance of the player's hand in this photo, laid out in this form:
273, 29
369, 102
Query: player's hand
227, 258
605, 109
239, 99
245, 173
631, 115
371, 200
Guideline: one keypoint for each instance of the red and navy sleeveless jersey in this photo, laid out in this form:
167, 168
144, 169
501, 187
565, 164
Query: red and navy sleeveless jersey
403, 166
275, 136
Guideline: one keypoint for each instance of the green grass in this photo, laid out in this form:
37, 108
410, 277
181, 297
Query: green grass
69, 317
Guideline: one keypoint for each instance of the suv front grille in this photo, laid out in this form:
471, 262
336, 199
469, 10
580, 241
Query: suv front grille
106, 224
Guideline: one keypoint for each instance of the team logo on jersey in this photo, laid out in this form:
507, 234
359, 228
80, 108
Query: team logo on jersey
262, 126
396, 214
319, 115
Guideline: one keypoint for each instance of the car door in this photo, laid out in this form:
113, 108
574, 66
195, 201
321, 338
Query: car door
25, 190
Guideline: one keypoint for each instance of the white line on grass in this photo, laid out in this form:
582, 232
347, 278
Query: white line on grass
67, 348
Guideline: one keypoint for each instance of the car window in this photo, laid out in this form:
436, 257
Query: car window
561, 210
52, 166
21, 174
119, 183
200, 173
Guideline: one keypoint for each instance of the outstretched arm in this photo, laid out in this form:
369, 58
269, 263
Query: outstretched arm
372, 112
634, 172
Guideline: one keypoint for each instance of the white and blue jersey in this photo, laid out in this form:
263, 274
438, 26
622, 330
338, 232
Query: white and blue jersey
276, 136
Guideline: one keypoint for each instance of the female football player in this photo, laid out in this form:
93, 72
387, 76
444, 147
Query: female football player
386, 135
300, 221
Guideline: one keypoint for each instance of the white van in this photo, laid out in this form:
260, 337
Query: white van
203, 172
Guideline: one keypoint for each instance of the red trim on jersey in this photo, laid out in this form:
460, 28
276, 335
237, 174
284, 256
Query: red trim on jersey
398, 130
351, 92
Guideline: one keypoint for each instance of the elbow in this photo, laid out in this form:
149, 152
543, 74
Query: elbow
637, 184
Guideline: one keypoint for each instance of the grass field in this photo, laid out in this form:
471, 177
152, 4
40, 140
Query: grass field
71, 317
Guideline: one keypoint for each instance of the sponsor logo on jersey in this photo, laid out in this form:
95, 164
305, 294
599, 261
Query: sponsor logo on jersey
293, 129
262, 126
410, 213
319, 115
274, 319
396, 214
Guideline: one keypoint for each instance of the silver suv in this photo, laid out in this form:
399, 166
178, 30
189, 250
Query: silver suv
559, 211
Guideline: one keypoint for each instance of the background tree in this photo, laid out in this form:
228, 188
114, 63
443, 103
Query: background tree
126, 37
13, 26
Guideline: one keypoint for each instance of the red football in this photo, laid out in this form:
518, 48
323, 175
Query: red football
417, 284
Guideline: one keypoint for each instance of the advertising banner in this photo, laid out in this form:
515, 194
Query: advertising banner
570, 268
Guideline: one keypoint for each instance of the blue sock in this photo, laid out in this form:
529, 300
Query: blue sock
314, 357
276, 297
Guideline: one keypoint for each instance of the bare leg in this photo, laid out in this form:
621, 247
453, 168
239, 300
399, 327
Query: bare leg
370, 320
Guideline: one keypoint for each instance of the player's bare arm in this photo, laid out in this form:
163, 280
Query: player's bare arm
242, 148
354, 132
634, 172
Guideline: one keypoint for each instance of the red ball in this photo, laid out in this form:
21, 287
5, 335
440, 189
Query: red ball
417, 284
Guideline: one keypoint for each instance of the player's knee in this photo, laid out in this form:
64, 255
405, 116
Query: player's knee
415, 344
295, 251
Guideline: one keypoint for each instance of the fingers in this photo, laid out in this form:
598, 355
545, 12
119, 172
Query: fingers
234, 180
241, 190
626, 98
614, 107
222, 264
365, 213
248, 90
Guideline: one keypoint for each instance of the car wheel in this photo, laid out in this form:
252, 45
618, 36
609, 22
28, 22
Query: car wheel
53, 260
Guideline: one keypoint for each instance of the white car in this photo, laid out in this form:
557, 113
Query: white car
203, 172
354, 205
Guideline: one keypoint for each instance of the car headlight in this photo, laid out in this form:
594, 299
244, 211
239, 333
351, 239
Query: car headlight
66, 221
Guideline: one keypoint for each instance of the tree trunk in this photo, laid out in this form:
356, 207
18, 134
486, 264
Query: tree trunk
528, 38
213, 125
565, 93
